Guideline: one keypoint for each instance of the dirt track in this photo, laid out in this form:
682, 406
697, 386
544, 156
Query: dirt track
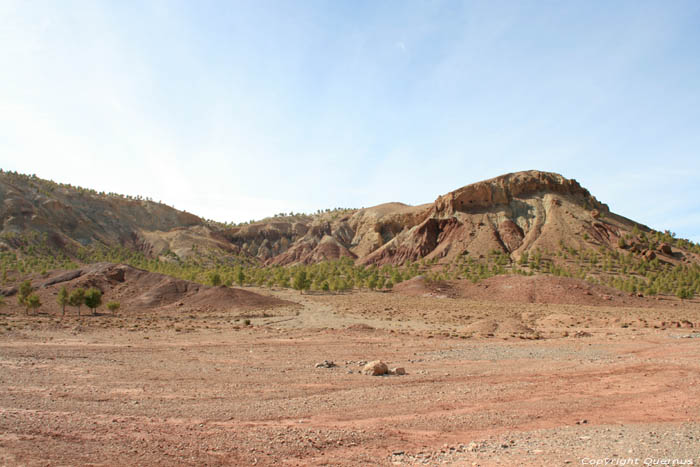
204, 389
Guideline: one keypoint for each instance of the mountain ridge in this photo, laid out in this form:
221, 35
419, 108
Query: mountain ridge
514, 213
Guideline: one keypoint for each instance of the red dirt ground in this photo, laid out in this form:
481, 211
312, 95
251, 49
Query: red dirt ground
526, 289
551, 384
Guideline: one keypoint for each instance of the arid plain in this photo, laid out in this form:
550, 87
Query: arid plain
487, 383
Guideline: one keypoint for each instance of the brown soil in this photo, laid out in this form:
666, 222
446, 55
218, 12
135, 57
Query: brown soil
545, 384
136, 288
511, 288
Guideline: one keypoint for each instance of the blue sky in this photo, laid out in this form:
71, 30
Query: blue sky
237, 110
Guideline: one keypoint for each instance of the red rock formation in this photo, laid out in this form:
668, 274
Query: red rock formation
511, 235
501, 190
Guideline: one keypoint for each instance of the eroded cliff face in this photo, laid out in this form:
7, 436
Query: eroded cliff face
501, 191
353, 234
512, 213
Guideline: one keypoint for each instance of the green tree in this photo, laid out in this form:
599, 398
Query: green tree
215, 278
93, 299
32, 301
240, 277
62, 299
300, 281
77, 298
342, 285
25, 289
380, 282
523, 259
372, 281
684, 293
283, 281
317, 282
113, 306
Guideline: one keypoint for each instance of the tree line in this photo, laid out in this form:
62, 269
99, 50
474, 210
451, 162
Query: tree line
78, 297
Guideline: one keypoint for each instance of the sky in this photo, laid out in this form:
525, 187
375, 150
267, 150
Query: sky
237, 110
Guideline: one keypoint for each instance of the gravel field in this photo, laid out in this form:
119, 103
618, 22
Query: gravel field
204, 388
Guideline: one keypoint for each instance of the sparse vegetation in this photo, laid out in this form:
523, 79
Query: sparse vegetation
616, 267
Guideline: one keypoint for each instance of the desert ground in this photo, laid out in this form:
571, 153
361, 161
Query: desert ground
487, 382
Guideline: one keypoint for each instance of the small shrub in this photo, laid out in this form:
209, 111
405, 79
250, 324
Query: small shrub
113, 306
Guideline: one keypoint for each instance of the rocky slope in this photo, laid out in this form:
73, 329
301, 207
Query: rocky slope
513, 213
138, 289
69, 217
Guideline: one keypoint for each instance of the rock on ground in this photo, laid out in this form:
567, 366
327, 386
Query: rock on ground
375, 368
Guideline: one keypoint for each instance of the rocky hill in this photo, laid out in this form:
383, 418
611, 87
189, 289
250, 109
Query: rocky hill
513, 214
138, 289
67, 218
